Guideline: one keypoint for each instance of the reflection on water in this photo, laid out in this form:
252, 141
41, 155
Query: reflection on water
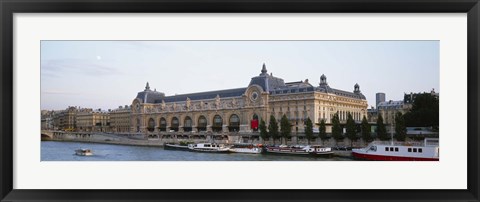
65, 151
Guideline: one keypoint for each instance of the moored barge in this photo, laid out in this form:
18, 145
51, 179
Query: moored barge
309, 150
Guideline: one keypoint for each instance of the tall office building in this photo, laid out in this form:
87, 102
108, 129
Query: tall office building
380, 97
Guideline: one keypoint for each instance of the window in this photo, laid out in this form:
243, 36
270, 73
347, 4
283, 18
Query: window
217, 121
202, 121
414, 149
396, 149
188, 122
419, 150
386, 148
234, 120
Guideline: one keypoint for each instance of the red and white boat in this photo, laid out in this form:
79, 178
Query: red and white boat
428, 150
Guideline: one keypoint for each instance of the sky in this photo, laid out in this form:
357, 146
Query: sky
108, 74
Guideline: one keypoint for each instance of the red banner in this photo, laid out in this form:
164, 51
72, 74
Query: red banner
254, 124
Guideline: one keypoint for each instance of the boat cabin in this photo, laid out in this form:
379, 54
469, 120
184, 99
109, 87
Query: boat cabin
206, 145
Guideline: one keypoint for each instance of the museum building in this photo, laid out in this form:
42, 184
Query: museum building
241, 109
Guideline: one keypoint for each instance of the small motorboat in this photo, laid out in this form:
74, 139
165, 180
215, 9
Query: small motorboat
83, 152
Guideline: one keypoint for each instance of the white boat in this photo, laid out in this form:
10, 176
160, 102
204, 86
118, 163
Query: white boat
245, 148
83, 152
312, 150
208, 147
428, 150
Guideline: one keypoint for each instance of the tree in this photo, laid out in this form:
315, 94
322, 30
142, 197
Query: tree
286, 128
351, 129
263, 130
273, 128
322, 130
400, 129
336, 128
381, 129
424, 112
366, 130
308, 130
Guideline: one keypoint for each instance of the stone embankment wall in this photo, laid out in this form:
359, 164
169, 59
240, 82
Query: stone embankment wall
122, 139
159, 140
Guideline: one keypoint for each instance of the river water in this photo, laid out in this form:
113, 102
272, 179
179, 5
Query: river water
64, 151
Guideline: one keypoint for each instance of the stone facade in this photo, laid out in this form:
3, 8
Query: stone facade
388, 109
241, 109
120, 119
89, 120
46, 119
65, 119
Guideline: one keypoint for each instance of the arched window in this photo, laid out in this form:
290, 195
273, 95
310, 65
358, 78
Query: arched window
174, 125
202, 124
217, 123
234, 123
187, 124
151, 125
163, 124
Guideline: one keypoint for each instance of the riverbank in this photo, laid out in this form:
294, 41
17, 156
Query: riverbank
65, 151
138, 140
120, 140
158, 139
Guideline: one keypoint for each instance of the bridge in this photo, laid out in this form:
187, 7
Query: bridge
46, 134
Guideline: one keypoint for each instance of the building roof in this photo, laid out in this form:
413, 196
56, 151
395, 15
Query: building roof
267, 82
294, 87
325, 88
204, 95
149, 96
348, 94
390, 104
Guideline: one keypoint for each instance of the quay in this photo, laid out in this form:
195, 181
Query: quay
135, 139
158, 139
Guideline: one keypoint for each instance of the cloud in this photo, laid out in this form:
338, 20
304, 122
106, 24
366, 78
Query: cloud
64, 67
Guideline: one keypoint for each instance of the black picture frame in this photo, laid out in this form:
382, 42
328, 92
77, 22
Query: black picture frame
10, 7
